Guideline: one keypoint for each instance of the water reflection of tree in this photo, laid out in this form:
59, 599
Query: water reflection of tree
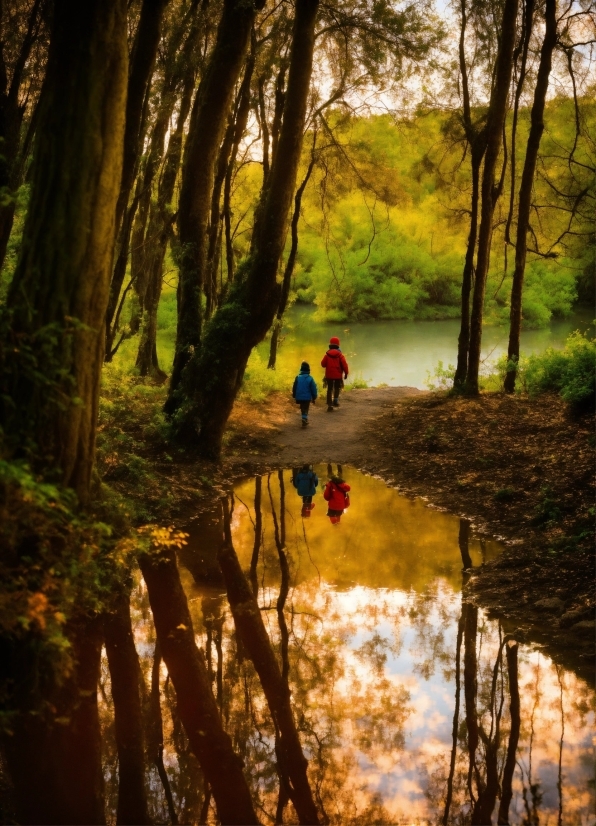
349, 713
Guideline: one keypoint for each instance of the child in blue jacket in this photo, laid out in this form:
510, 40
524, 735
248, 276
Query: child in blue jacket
305, 482
304, 391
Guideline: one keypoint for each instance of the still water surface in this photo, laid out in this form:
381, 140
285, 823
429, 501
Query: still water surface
389, 669
402, 353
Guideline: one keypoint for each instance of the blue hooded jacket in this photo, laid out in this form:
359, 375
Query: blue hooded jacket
306, 483
304, 389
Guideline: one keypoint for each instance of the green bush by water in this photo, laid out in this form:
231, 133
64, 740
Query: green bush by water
570, 372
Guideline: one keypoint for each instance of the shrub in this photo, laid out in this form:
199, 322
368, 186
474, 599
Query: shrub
570, 372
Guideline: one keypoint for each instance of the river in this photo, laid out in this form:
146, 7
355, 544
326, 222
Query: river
403, 352
389, 669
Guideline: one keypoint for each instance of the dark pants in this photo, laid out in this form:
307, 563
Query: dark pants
333, 388
304, 408
306, 500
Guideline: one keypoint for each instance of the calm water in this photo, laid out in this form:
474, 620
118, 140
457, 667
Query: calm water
403, 352
384, 658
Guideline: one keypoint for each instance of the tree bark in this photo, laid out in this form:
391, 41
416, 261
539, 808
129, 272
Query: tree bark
251, 630
207, 125
125, 675
490, 192
215, 374
55, 765
196, 705
525, 189
58, 297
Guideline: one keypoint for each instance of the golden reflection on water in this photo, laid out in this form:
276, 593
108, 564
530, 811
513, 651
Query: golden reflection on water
373, 611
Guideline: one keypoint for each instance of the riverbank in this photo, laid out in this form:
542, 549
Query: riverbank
519, 469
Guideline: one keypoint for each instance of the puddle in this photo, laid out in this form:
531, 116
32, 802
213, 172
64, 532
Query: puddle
390, 673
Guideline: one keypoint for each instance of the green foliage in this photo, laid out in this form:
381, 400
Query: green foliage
132, 428
441, 378
570, 372
547, 511
387, 239
57, 564
504, 495
259, 382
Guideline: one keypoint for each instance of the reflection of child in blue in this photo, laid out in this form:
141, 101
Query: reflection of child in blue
305, 482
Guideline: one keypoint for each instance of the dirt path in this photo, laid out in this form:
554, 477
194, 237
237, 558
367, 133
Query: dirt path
337, 436
278, 437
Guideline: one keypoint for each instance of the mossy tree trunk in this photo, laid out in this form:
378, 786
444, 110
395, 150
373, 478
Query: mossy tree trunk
207, 124
525, 189
52, 348
214, 376
489, 189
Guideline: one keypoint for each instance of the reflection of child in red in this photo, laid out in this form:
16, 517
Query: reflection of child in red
336, 494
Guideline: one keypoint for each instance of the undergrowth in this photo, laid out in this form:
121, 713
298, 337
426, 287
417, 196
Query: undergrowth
57, 565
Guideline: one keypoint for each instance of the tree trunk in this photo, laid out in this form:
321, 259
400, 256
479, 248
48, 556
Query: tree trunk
125, 674
489, 192
464, 543
58, 297
525, 189
12, 143
158, 233
55, 766
455, 727
215, 374
251, 630
225, 167
207, 125
196, 705
463, 342
471, 687
142, 62
514, 710
155, 736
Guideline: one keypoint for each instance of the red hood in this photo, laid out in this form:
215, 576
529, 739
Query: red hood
333, 353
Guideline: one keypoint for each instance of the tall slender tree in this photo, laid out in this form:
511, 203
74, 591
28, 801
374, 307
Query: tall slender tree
490, 189
526, 186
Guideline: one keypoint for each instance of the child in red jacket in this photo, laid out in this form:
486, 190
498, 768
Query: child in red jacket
336, 494
336, 369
